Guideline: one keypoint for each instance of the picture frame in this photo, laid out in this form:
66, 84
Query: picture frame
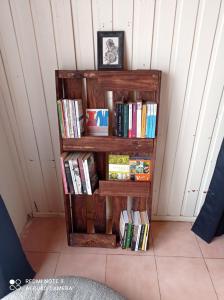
110, 50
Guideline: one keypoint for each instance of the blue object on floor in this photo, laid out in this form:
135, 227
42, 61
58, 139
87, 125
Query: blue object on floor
210, 221
14, 267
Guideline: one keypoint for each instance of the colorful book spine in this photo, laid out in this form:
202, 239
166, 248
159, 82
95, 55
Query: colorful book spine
139, 119
73, 175
82, 173
60, 117
65, 109
119, 118
125, 120
74, 119
68, 177
130, 120
134, 119
77, 173
144, 112
63, 174
79, 117
154, 120
71, 119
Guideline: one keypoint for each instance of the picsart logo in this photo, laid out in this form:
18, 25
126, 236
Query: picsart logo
15, 284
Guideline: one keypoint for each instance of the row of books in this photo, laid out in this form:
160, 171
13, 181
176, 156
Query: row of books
125, 167
71, 118
79, 173
134, 230
135, 119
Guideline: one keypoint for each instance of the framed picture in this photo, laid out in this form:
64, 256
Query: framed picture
110, 46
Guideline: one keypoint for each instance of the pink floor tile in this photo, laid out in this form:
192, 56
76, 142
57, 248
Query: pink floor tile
184, 278
135, 277
174, 239
213, 250
216, 270
43, 263
86, 265
44, 234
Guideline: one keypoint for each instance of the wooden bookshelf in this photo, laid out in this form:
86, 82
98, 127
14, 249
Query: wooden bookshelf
86, 222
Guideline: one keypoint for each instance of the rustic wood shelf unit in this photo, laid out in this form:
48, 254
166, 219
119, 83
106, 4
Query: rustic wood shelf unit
86, 220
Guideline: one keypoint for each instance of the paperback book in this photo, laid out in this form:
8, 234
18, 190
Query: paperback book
97, 122
119, 167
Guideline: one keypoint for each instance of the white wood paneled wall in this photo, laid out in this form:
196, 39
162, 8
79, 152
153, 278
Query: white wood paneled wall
183, 38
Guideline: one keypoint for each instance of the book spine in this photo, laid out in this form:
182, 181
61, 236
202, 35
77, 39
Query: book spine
134, 237
139, 119
71, 118
77, 118
144, 108
63, 175
148, 119
125, 120
154, 120
147, 236
130, 120
64, 101
125, 236
82, 175
141, 237
138, 237
68, 177
73, 176
128, 239
77, 176
134, 119
74, 119
119, 119
60, 117
144, 237
87, 179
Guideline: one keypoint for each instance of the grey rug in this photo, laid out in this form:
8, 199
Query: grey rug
63, 288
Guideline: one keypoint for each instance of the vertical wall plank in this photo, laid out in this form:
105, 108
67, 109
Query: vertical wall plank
209, 109
15, 79
142, 33
180, 61
123, 20
64, 37
161, 53
30, 61
83, 31
43, 27
102, 19
206, 26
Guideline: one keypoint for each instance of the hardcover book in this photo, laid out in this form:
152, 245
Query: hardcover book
118, 167
97, 122
140, 168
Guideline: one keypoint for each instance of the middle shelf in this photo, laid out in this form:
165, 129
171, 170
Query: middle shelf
108, 144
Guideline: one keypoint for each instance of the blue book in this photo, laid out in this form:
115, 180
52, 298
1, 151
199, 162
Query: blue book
154, 120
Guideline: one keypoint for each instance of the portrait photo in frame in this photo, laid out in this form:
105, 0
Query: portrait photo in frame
110, 50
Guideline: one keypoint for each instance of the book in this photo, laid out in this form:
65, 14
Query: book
71, 118
154, 113
119, 167
77, 172
139, 119
79, 117
97, 122
125, 229
65, 114
125, 120
75, 129
70, 161
62, 158
60, 118
119, 111
140, 168
91, 177
134, 120
145, 220
138, 224
143, 128
82, 173
130, 120
68, 174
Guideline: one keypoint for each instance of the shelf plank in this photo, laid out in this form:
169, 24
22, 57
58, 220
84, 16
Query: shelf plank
108, 144
93, 240
124, 188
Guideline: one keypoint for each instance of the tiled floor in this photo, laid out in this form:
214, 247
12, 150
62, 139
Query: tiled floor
178, 266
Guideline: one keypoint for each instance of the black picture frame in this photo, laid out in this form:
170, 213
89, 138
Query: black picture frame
110, 50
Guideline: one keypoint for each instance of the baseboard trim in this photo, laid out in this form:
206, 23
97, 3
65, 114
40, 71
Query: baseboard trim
173, 218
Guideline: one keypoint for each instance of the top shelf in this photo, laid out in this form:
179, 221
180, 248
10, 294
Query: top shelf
108, 144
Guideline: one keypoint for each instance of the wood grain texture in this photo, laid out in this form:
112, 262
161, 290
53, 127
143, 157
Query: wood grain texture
93, 240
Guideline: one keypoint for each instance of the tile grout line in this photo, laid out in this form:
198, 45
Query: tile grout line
106, 270
207, 267
157, 276
56, 265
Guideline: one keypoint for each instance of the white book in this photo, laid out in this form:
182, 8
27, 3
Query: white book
65, 108
139, 230
86, 172
139, 119
79, 117
71, 118
77, 173
130, 120
70, 161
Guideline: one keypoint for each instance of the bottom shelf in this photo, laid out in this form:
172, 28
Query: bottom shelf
93, 240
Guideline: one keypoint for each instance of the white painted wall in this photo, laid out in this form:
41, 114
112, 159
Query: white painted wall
183, 38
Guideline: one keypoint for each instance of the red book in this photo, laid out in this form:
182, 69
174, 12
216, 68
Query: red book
134, 119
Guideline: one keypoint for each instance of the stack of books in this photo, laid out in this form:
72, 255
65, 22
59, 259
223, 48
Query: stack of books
71, 119
135, 119
123, 167
79, 173
134, 230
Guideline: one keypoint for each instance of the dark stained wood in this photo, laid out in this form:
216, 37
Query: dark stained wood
139, 203
108, 144
93, 240
79, 213
118, 204
124, 188
96, 97
73, 88
100, 214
